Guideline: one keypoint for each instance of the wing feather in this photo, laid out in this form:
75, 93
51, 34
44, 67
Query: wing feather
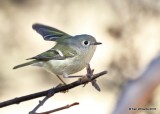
49, 33
55, 54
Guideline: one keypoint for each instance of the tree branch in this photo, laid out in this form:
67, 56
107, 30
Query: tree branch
40, 104
54, 90
60, 108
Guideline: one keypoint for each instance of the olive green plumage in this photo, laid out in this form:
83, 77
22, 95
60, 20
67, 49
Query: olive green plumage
70, 54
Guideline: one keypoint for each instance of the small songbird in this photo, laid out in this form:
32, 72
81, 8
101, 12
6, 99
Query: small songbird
70, 54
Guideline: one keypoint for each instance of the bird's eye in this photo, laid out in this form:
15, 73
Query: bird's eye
86, 42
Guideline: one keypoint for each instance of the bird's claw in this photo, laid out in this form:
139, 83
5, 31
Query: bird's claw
60, 85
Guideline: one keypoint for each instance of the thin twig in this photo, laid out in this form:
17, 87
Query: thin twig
50, 94
54, 90
58, 109
89, 75
39, 105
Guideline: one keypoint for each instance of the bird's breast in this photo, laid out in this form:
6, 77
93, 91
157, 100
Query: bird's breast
67, 66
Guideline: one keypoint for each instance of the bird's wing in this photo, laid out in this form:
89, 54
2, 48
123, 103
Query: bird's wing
53, 54
49, 33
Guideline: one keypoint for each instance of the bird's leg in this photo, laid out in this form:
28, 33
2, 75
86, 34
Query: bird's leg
80, 77
61, 79
75, 76
66, 76
61, 84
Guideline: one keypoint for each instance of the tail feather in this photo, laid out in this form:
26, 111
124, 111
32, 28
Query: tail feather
25, 64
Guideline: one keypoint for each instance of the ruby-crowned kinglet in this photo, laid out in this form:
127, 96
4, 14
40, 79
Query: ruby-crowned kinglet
70, 55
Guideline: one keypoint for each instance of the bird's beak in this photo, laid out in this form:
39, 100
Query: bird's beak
96, 43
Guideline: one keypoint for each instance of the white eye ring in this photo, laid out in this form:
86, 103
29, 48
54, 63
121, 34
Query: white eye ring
85, 42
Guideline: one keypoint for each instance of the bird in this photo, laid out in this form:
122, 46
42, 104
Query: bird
70, 54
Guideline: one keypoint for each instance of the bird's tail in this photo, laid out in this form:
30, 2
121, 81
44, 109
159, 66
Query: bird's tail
25, 64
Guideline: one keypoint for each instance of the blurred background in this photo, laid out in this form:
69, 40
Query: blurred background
128, 29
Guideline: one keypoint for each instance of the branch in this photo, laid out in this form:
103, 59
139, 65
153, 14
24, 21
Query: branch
54, 90
50, 94
89, 75
58, 109
40, 104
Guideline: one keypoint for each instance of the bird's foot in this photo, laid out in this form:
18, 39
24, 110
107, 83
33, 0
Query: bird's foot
61, 85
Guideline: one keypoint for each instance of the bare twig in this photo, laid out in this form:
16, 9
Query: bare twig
60, 108
89, 75
50, 94
39, 105
54, 90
